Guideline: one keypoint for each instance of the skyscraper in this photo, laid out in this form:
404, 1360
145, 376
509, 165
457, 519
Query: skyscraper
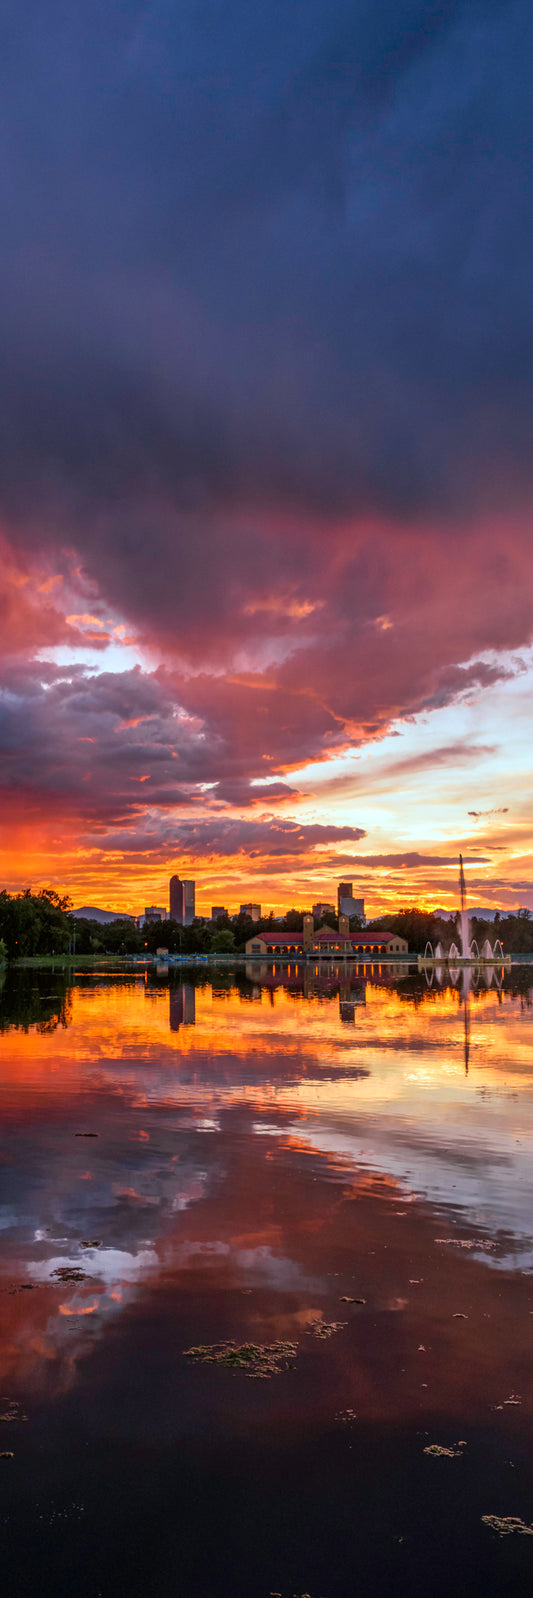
188, 903
176, 900
344, 891
182, 901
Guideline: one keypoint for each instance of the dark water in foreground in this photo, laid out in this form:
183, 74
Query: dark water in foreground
267, 1147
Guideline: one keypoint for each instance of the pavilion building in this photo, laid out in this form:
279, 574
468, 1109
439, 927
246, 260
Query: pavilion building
327, 943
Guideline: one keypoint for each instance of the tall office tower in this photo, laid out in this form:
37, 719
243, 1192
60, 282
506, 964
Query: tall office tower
176, 900
218, 910
188, 903
344, 891
252, 910
352, 907
182, 900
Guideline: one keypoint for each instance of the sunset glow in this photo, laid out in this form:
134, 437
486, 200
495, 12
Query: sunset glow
266, 561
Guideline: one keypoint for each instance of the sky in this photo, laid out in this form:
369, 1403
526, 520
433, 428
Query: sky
266, 474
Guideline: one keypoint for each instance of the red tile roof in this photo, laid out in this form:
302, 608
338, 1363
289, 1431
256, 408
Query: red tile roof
326, 935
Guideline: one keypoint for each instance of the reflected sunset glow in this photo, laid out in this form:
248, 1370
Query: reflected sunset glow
294, 1154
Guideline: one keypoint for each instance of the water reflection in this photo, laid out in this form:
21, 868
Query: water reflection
33, 998
237, 1154
182, 1005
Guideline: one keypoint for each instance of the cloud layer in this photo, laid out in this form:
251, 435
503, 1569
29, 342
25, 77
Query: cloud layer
266, 390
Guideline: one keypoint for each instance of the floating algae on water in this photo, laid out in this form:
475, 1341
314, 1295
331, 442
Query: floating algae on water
259, 1360
438, 1452
13, 1412
505, 1524
69, 1273
325, 1329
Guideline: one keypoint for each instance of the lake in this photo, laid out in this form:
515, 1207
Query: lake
322, 1182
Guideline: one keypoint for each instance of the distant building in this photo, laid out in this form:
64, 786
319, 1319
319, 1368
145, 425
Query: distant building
346, 904
352, 907
344, 891
189, 900
252, 910
182, 901
154, 912
176, 900
218, 910
320, 909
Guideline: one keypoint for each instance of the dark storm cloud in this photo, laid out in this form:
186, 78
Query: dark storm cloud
239, 794
273, 836
267, 361
117, 745
269, 840
215, 217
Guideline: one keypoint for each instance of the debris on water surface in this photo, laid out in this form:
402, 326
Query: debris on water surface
438, 1452
22, 1287
325, 1329
259, 1360
93, 1242
459, 1316
346, 1300
13, 1411
505, 1524
514, 1398
6, 1456
71, 1273
85, 1134
346, 1416
466, 1242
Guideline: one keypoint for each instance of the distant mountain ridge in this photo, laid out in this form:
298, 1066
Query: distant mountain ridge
482, 912
90, 912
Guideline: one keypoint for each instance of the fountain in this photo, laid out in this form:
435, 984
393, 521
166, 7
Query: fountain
463, 915
470, 954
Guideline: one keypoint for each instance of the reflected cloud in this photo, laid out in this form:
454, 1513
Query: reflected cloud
312, 1079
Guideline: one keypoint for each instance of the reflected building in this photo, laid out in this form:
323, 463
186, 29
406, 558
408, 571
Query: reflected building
182, 1011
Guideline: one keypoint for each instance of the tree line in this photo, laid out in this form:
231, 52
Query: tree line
33, 924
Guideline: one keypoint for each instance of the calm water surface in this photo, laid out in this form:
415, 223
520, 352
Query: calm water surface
268, 1148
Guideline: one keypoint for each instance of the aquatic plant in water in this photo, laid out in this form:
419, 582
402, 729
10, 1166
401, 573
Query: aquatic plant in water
505, 1524
259, 1360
